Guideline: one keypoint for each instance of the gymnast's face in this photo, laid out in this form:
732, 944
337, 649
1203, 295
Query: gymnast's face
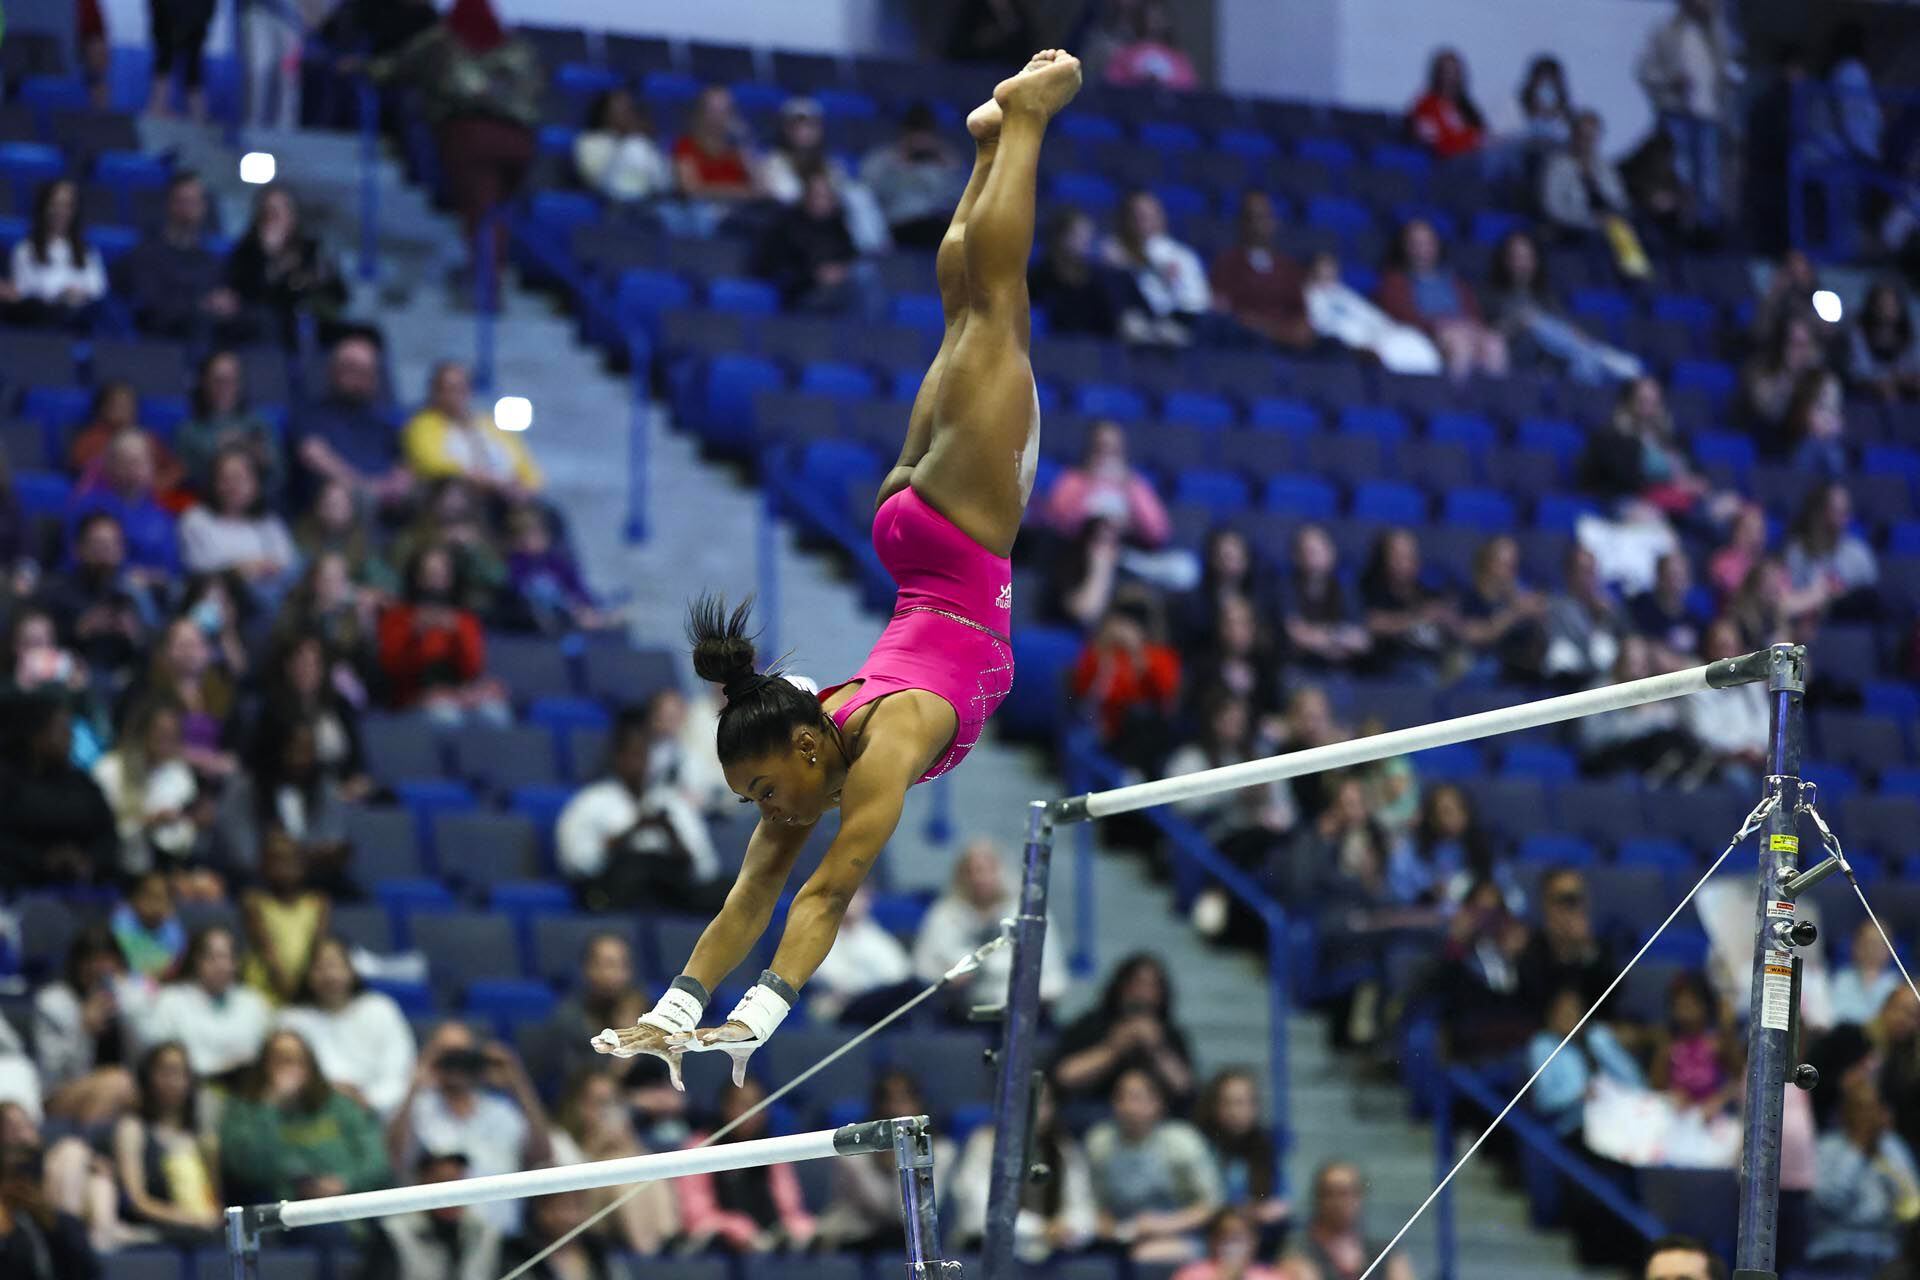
791, 788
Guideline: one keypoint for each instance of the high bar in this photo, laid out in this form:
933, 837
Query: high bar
1381, 746
853, 1139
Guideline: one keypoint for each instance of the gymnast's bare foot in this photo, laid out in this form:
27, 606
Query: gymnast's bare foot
983, 122
1046, 84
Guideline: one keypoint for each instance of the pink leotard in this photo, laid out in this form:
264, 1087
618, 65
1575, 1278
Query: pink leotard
951, 618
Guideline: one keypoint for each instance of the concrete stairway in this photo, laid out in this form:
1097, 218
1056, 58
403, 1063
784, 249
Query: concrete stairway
703, 521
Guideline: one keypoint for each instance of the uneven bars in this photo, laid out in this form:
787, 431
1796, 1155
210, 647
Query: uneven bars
869, 1138
1381, 746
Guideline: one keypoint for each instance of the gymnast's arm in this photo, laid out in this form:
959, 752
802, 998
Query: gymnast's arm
749, 906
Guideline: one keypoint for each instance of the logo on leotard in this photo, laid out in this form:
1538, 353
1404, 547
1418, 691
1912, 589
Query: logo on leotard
1006, 597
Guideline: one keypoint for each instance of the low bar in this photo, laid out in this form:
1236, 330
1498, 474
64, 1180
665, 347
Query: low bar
854, 1139
1441, 733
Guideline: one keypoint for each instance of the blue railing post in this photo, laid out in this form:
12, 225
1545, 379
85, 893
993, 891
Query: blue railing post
1443, 1165
767, 566
1279, 1009
486, 275
369, 105
237, 116
639, 428
940, 814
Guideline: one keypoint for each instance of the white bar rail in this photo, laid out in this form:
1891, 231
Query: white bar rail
1441, 733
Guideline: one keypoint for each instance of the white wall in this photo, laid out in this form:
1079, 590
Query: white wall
1373, 53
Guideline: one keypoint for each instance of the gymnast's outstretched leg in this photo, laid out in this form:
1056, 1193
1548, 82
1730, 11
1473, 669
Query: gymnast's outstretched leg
984, 424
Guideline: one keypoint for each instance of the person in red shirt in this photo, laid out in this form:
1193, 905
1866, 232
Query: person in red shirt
116, 408
1257, 284
1130, 683
1419, 289
1445, 117
433, 653
711, 167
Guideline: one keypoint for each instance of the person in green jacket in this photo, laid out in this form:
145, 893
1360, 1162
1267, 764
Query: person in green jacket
288, 1134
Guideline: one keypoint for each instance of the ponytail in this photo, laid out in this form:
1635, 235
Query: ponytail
763, 708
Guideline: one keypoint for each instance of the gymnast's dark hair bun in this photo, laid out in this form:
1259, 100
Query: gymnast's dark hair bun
722, 645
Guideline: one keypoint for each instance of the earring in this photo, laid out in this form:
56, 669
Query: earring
813, 760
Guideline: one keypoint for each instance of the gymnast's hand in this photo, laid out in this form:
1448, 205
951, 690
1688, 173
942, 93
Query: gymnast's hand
735, 1039
632, 1042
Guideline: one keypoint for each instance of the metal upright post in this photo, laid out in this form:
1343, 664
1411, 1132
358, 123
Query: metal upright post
1013, 1081
243, 1246
1770, 1013
913, 1160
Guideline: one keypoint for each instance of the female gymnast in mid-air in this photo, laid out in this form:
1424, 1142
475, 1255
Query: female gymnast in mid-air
945, 524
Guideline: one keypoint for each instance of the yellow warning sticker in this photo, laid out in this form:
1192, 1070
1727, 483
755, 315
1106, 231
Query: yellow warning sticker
1784, 844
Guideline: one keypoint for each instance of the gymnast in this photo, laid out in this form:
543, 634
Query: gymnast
945, 523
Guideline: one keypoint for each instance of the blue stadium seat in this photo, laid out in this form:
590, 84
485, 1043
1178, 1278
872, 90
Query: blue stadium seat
291, 1263
541, 806
1896, 698
1473, 430
1340, 215
1698, 314
1379, 421
463, 947
1564, 440
1549, 850
743, 295
1308, 497
558, 715
643, 296
838, 379
1089, 191
1248, 144
1863, 740
362, 925
1598, 810
41, 493
557, 139
1607, 309
143, 1264
425, 798
1883, 822
1182, 201
407, 899
1169, 135
1110, 400
401, 748
949, 1066
627, 677
689, 1268
792, 1052
525, 900
384, 840
57, 407
28, 164
1454, 763
132, 171
484, 849
1650, 851
1222, 492
1725, 449
1388, 502
731, 383
1549, 764
559, 942
669, 88
1257, 453
530, 666
1295, 417
1089, 127
1714, 379
922, 311
1199, 409
1042, 657
508, 1002
1559, 512
1491, 226
558, 212
1331, 152
1835, 781
1903, 780
500, 758
1891, 459
1480, 509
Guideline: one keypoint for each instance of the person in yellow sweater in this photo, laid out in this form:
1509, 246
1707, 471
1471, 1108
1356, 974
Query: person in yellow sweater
450, 437
284, 919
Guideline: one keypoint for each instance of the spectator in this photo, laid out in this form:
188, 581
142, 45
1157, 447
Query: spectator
712, 170
360, 1039
1694, 1058
749, 1211
1882, 356
1232, 1242
1129, 681
337, 525
79, 1039
864, 1211
1448, 853
1153, 1178
1651, 740
1318, 617
1664, 613
1688, 72
221, 1023
808, 253
477, 1101
222, 420
343, 437
172, 281
1824, 552
184, 670
282, 272
602, 989
1501, 620
1681, 1258
1151, 57
1244, 1150
1335, 1245
179, 32
1106, 486
450, 438
1340, 862
1240, 658
550, 1220
324, 641
284, 792
592, 1123
965, 917
58, 278
1419, 290
116, 410
1767, 381
1744, 548
546, 578
1258, 284
284, 919
146, 929
457, 1244
152, 791
799, 153
454, 516
1077, 289
1534, 322
1791, 286
1227, 570
626, 841
1444, 117
38, 1241
1244, 824
1845, 121
167, 1178
616, 154
1732, 730
1595, 1054
1584, 623
1565, 951
481, 88
1057, 1215
288, 1133
995, 31
1768, 609
1169, 275
1083, 574
865, 976
1309, 722
1132, 1029
916, 178
214, 609
683, 748
1816, 425
124, 493
274, 48
1581, 191
235, 532
1866, 1183
1862, 985
1546, 106
1339, 311
432, 652
1412, 627
58, 829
